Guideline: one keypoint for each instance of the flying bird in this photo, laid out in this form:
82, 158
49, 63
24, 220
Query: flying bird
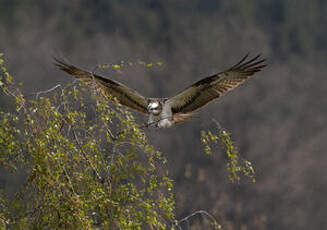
165, 112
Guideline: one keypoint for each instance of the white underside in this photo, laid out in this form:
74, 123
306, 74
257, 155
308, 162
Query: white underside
165, 123
164, 119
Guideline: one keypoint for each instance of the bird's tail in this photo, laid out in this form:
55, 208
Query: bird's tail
182, 117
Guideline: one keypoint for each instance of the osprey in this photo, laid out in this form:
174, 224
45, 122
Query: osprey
164, 112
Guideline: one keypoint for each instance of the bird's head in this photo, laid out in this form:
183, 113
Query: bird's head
154, 106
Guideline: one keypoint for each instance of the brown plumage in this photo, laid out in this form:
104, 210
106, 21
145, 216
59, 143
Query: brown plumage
210, 88
165, 112
110, 89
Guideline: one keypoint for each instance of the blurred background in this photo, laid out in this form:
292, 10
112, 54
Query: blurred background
277, 118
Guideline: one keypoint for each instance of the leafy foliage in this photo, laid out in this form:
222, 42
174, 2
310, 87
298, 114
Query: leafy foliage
234, 166
123, 64
196, 38
86, 166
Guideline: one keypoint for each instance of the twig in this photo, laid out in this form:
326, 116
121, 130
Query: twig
85, 157
69, 180
201, 212
47, 91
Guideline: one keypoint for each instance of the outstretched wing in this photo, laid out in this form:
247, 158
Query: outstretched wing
110, 89
210, 88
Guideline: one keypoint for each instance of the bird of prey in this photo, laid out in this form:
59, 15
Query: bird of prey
165, 112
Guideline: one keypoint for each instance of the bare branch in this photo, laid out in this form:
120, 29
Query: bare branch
37, 94
200, 212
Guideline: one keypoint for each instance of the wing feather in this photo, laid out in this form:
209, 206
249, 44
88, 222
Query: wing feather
202, 92
110, 89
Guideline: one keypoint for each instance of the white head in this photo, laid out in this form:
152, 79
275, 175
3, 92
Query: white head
154, 107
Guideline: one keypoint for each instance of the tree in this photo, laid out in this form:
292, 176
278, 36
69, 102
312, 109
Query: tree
87, 164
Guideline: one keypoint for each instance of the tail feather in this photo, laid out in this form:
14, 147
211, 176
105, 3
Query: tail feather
182, 117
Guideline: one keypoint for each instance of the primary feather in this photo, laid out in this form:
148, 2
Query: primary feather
213, 87
110, 89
